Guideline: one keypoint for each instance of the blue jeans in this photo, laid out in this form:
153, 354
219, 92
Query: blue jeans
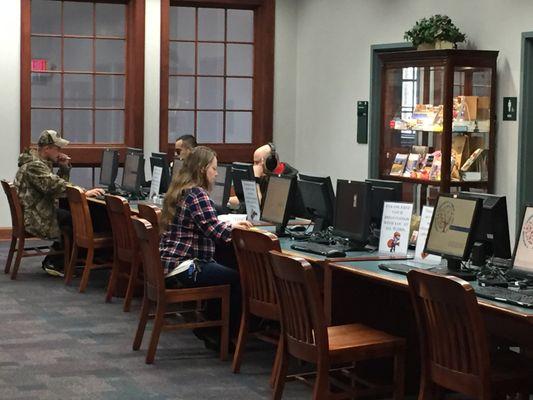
212, 274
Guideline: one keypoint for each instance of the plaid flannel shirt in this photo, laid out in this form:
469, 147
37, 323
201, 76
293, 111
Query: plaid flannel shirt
194, 230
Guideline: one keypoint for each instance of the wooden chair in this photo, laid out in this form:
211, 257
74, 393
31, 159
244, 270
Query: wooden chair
84, 237
454, 344
306, 336
19, 234
158, 297
125, 248
150, 213
258, 296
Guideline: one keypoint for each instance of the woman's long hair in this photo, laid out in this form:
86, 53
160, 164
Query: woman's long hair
192, 174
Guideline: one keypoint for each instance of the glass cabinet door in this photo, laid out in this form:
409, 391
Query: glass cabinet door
470, 123
413, 122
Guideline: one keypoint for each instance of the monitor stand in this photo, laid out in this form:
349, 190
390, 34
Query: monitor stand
454, 269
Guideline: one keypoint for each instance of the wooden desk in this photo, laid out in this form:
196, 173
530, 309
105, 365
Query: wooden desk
342, 278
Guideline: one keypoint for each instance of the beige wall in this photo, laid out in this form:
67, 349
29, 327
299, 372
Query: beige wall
333, 67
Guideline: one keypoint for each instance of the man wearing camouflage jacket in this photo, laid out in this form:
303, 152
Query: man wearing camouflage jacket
39, 187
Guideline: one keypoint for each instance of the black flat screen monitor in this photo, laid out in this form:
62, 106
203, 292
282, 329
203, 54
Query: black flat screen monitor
492, 228
133, 172
318, 199
161, 162
139, 151
522, 265
239, 172
109, 169
222, 187
382, 191
352, 216
451, 230
276, 205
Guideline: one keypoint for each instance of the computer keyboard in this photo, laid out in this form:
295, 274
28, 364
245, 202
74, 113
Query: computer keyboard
320, 249
400, 268
505, 295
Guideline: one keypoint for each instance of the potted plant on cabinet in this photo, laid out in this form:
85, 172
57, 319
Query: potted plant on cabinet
435, 32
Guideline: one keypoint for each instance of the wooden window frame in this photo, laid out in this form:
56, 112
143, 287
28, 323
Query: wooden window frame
263, 76
90, 155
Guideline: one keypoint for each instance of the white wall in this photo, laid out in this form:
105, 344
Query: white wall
9, 98
284, 80
333, 67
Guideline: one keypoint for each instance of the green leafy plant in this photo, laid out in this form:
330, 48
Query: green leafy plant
432, 29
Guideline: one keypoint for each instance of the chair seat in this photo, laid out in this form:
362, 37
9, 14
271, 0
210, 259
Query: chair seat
103, 239
349, 342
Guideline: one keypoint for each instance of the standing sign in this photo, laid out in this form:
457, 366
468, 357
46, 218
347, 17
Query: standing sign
156, 182
395, 225
425, 221
253, 211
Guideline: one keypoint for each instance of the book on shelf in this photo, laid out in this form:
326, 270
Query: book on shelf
422, 150
412, 165
434, 173
473, 158
399, 164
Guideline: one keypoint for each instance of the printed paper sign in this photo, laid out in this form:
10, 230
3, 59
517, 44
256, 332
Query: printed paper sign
156, 182
425, 221
395, 224
253, 210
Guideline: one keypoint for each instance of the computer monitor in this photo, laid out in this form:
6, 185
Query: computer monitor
239, 172
176, 166
381, 192
139, 151
109, 169
492, 229
222, 187
133, 172
523, 251
451, 231
318, 199
276, 204
161, 162
352, 215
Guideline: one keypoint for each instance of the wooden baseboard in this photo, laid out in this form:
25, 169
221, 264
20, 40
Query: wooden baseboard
5, 233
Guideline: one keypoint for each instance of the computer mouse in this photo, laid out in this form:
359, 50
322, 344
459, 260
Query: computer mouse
298, 228
335, 253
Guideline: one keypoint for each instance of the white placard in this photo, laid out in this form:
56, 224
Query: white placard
395, 224
253, 210
156, 182
425, 221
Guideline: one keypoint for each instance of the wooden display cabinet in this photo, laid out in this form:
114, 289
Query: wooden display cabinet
439, 104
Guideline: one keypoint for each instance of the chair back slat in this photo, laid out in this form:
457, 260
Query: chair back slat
452, 332
81, 216
15, 208
150, 213
251, 249
153, 270
302, 314
124, 238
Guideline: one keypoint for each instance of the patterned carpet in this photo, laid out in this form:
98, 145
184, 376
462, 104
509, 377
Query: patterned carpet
59, 344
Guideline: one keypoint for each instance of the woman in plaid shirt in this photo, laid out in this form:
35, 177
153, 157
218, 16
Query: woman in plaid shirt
190, 228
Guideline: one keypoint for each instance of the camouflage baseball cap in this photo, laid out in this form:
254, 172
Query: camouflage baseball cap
51, 137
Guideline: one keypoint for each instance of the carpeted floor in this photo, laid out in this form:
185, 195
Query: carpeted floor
56, 343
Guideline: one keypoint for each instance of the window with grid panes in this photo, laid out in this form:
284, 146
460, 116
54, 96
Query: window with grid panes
78, 53
77, 76
213, 82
